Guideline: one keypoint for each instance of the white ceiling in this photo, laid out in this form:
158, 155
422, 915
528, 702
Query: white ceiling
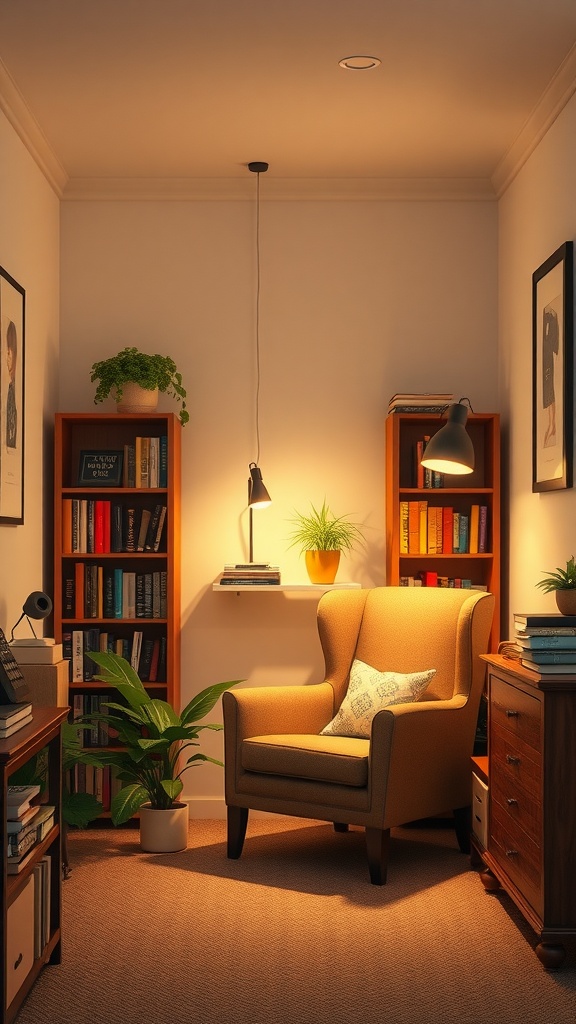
106, 92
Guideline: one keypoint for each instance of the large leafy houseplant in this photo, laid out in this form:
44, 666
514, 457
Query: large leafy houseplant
154, 737
130, 366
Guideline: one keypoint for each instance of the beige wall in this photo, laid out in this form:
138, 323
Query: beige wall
536, 215
359, 300
29, 251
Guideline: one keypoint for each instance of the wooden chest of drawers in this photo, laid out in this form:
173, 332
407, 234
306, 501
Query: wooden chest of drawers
531, 835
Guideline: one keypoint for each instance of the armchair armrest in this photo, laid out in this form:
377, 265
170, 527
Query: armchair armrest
263, 710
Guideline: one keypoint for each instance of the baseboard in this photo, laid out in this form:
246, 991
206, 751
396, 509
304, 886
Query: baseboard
215, 808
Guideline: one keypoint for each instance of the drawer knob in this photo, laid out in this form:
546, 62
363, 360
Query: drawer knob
510, 759
512, 802
511, 714
511, 853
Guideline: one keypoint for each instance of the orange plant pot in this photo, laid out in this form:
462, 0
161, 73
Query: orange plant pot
322, 566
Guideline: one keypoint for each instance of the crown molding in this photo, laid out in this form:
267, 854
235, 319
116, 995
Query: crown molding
278, 189
559, 91
17, 112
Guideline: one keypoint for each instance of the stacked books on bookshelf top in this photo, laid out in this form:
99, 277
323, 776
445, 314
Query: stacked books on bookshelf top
546, 642
250, 574
426, 402
14, 717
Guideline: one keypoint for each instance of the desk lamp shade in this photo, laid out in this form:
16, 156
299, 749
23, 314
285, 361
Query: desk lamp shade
258, 496
451, 450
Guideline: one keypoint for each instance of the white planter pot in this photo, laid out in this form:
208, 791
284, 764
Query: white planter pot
137, 399
164, 831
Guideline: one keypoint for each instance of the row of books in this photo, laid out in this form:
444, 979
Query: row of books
440, 529
427, 402
14, 717
99, 526
546, 642
146, 463
96, 734
423, 477
428, 578
106, 592
99, 780
250, 574
146, 654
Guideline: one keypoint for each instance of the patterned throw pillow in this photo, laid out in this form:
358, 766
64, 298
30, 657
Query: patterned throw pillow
368, 692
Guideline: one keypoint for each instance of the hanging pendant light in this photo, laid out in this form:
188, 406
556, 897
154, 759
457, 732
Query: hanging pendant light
450, 450
258, 496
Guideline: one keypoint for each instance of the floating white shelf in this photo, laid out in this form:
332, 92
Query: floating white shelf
310, 588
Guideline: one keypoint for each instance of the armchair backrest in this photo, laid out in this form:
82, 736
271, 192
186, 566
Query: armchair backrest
407, 629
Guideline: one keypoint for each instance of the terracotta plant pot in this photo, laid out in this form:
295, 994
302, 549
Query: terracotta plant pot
566, 601
164, 831
137, 399
322, 566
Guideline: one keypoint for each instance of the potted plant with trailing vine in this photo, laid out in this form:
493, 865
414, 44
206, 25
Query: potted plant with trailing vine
562, 583
134, 378
155, 741
322, 537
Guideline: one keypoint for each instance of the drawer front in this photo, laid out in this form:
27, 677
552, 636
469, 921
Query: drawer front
515, 711
514, 761
19, 940
517, 854
521, 806
480, 810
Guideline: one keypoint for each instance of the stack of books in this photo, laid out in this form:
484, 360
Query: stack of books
26, 825
14, 717
427, 402
547, 642
249, 574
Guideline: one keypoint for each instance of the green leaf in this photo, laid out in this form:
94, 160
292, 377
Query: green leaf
80, 808
125, 803
160, 715
172, 788
204, 701
119, 673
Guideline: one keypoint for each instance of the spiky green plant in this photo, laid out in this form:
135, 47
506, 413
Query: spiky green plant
320, 530
559, 579
154, 738
133, 367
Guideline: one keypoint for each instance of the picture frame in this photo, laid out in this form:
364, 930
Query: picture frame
552, 371
100, 468
12, 393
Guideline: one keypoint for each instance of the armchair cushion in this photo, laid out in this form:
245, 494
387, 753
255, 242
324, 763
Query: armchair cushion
336, 759
369, 691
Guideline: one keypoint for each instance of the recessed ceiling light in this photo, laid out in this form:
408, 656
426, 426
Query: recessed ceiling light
359, 63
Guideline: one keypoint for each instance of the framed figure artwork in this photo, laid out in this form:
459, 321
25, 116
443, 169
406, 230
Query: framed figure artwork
12, 304
552, 371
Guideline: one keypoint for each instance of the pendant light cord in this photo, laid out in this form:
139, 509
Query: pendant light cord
258, 318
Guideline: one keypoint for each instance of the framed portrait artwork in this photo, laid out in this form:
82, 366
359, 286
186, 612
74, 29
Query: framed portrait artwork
12, 303
552, 371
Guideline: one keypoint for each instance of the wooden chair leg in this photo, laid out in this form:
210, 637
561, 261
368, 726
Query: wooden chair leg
377, 845
237, 822
339, 826
462, 827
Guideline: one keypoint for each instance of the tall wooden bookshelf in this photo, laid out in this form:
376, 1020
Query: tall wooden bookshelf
77, 614
482, 488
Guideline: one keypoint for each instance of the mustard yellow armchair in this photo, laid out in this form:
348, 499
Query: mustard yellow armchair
414, 761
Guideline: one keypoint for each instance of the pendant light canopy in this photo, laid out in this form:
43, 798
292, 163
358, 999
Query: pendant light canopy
450, 450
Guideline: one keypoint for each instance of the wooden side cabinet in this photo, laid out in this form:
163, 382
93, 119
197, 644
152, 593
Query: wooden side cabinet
19, 964
531, 830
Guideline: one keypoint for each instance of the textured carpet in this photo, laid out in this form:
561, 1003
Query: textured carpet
293, 933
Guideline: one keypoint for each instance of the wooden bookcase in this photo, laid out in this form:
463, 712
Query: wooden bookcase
84, 432
482, 487
20, 960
